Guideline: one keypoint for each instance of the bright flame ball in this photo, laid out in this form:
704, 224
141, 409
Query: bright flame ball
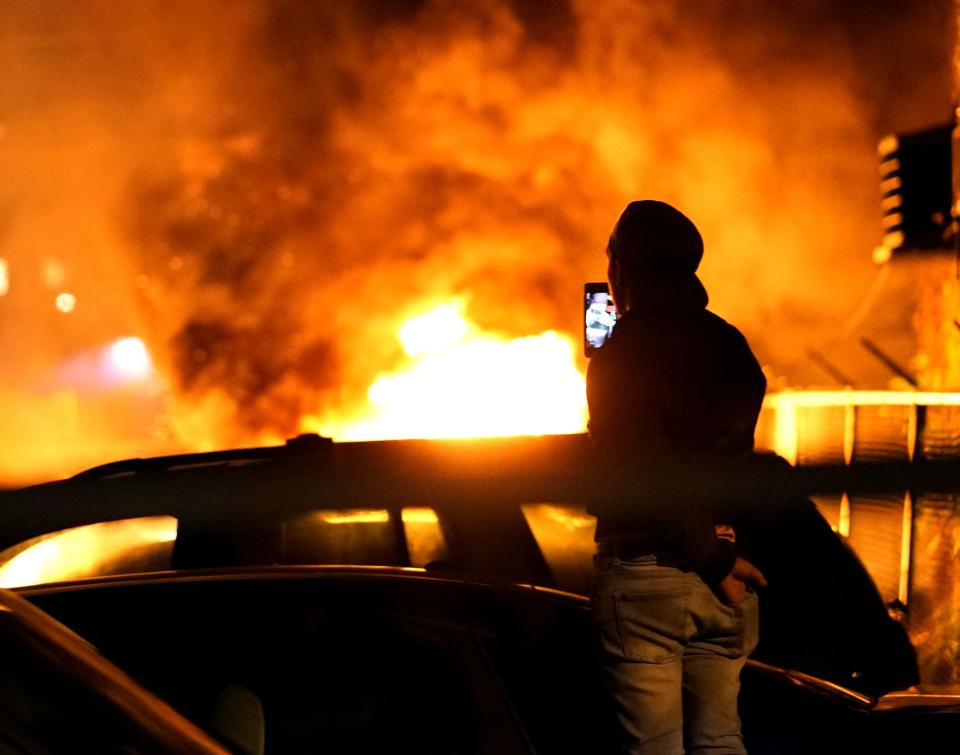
433, 332
129, 359
66, 302
462, 382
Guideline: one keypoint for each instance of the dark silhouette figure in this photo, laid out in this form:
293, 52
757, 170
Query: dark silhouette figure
675, 611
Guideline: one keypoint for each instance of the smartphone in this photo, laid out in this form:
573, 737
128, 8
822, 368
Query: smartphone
599, 316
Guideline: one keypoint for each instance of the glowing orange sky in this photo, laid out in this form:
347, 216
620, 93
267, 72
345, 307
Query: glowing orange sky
264, 192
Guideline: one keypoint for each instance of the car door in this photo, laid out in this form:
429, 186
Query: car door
58, 694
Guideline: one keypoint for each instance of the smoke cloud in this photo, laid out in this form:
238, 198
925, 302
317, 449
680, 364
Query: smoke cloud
265, 190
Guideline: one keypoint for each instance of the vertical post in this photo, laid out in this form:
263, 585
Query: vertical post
843, 525
849, 438
915, 431
906, 550
400, 536
849, 430
785, 437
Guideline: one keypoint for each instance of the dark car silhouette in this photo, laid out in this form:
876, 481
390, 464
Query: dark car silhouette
428, 597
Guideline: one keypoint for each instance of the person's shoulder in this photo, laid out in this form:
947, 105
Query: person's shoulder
717, 321
734, 344
634, 335
724, 328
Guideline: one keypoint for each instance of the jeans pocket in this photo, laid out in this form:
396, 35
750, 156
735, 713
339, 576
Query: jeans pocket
645, 627
749, 610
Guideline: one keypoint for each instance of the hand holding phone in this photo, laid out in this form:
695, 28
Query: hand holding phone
599, 316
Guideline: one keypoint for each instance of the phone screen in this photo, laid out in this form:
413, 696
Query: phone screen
599, 316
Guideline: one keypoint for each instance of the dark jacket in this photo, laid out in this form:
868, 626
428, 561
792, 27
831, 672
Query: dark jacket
674, 383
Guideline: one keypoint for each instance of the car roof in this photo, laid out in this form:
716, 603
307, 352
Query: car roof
309, 472
305, 474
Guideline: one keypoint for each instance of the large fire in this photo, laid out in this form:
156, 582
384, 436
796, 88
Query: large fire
264, 194
463, 382
455, 380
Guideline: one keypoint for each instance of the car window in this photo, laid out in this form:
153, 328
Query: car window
335, 667
347, 536
565, 536
125, 546
555, 691
370, 686
425, 540
365, 537
58, 694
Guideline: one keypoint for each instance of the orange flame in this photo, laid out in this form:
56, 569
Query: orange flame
223, 210
463, 382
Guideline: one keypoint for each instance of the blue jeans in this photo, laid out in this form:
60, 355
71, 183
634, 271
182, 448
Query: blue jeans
671, 654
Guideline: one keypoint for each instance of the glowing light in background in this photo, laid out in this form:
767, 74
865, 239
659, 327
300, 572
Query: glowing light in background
128, 359
104, 548
54, 273
431, 333
66, 302
105, 368
882, 254
565, 535
356, 516
4, 277
782, 433
463, 382
425, 540
486, 133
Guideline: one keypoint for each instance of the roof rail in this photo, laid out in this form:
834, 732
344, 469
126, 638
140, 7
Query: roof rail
307, 443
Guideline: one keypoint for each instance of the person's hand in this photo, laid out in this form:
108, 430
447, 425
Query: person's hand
742, 577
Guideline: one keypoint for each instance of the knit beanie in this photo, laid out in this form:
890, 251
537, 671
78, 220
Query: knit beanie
653, 239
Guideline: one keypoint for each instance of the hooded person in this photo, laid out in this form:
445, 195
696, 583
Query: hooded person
673, 601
